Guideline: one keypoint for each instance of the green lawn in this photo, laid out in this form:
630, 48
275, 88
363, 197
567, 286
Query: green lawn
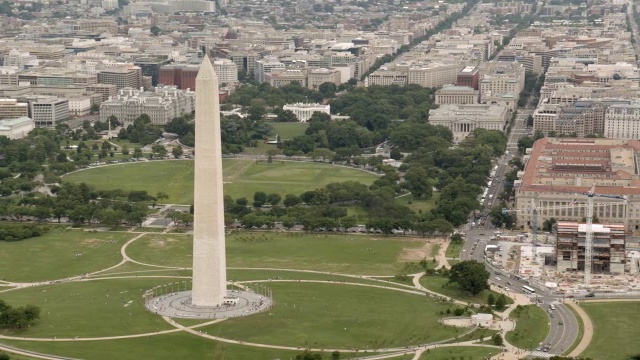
288, 130
419, 206
55, 254
248, 275
350, 254
242, 177
475, 335
343, 316
454, 249
160, 347
616, 331
460, 352
532, 327
88, 309
439, 285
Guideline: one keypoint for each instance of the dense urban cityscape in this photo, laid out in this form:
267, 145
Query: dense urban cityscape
303, 179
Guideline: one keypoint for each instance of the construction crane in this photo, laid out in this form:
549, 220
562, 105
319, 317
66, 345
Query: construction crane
588, 253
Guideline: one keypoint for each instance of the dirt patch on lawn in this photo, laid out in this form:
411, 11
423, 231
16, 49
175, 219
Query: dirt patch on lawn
423, 252
160, 243
90, 242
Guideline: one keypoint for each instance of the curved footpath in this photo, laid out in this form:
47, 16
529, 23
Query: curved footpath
417, 288
588, 329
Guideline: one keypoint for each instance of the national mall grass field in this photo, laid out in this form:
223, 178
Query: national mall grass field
242, 177
615, 326
346, 314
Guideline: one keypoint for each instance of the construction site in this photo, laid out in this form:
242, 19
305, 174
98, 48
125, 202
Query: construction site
590, 190
557, 261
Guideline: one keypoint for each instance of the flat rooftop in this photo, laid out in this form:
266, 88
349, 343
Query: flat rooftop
574, 165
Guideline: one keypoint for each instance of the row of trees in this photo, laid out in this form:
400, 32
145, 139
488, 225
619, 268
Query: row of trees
445, 24
81, 204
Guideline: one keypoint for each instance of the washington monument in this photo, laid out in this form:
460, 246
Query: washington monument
209, 260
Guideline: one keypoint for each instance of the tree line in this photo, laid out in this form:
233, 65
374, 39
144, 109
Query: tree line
81, 204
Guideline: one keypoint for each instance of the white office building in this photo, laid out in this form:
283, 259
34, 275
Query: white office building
16, 128
264, 66
226, 70
622, 121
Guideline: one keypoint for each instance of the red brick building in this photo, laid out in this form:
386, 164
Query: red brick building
469, 76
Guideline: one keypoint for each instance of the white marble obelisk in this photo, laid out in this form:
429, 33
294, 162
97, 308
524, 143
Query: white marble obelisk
209, 260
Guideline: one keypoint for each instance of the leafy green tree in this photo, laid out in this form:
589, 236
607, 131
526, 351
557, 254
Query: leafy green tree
137, 152
417, 181
491, 299
161, 196
470, 275
501, 302
308, 355
291, 200
273, 199
159, 150
286, 116
259, 199
177, 152
497, 340
457, 238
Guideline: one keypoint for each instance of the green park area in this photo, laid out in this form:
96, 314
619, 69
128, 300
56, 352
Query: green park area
615, 326
289, 130
159, 347
440, 285
60, 253
242, 177
419, 205
454, 249
342, 316
460, 352
89, 309
532, 327
348, 254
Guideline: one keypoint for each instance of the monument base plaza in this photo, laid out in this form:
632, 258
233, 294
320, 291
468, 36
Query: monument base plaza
237, 303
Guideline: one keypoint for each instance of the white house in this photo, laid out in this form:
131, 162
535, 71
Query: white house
304, 111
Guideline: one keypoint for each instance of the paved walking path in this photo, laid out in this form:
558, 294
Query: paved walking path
512, 352
417, 285
587, 325
103, 274
441, 258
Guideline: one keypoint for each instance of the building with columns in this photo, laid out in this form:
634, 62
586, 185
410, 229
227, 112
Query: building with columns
557, 169
304, 111
452, 94
16, 128
622, 121
462, 120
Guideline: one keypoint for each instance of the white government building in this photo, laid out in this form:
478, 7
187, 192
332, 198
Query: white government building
622, 121
16, 128
304, 111
463, 119
162, 105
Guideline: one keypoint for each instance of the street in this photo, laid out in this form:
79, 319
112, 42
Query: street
560, 337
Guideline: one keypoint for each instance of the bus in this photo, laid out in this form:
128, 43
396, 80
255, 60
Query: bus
528, 289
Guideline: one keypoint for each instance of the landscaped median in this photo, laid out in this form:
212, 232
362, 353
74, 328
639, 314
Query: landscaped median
532, 327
